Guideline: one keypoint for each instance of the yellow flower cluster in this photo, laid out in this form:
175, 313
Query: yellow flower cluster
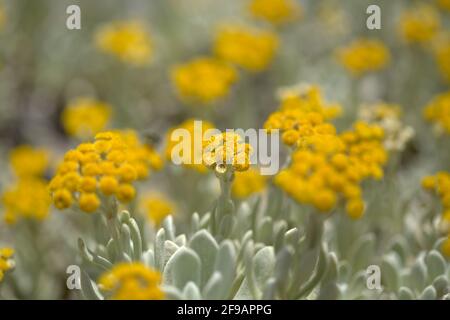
157, 207
196, 141
364, 55
444, 4
419, 24
127, 40
440, 185
27, 199
302, 114
277, 12
6, 261
84, 117
226, 152
27, 161
203, 80
329, 169
131, 281
249, 48
438, 112
388, 116
108, 167
247, 183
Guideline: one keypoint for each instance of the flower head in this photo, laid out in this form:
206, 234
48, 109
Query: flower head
419, 24
108, 166
127, 40
203, 80
438, 112
26, 199
251, 49
247, 183
27, 161
131, 281
364, 55
277, 12
84, 117
6, 261
157, 207
226, 152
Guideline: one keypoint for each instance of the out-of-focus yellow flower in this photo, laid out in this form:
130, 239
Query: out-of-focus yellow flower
196, 140
249, 48
6, 261
419, 24
226, 152
157, 207
438, 112
131, 281
109, 166
247, 183
444, 4
388, 116
442, 55
127, 40
364, 55
84, 117
203, 80
327, 168
26, 199
277, 12
302, 114
27, 161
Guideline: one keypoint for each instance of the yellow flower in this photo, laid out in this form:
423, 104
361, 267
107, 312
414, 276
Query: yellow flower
6, 261
196, 141
249, 48
84, 117
203, 80
419, 24
438, 112
364, 55
247, 183
127, 40
26, 199
442, 55
444, 4
226, 151
277, 12
109, 166
131, 281
27, 161
157, 207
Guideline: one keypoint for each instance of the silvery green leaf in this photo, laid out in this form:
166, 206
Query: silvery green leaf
357, 284
169, 228
182, 267
270, 290
405, 293
227, 224
291, 237
204, 221
159, 248
206, 248
329, 291
400, 246
181, 240
264, 232
438, 244
111, 249
191, 292
171, 293
125, 237
303, 269
89, 289
441, 285
149, 258
436, 264
418, 275
390, 271
428, 294
170, 248
362, 251
332, 270
282, 266
279, 228
344, 271
226, 263
195, 222
135, 238
263, 265
214, 288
